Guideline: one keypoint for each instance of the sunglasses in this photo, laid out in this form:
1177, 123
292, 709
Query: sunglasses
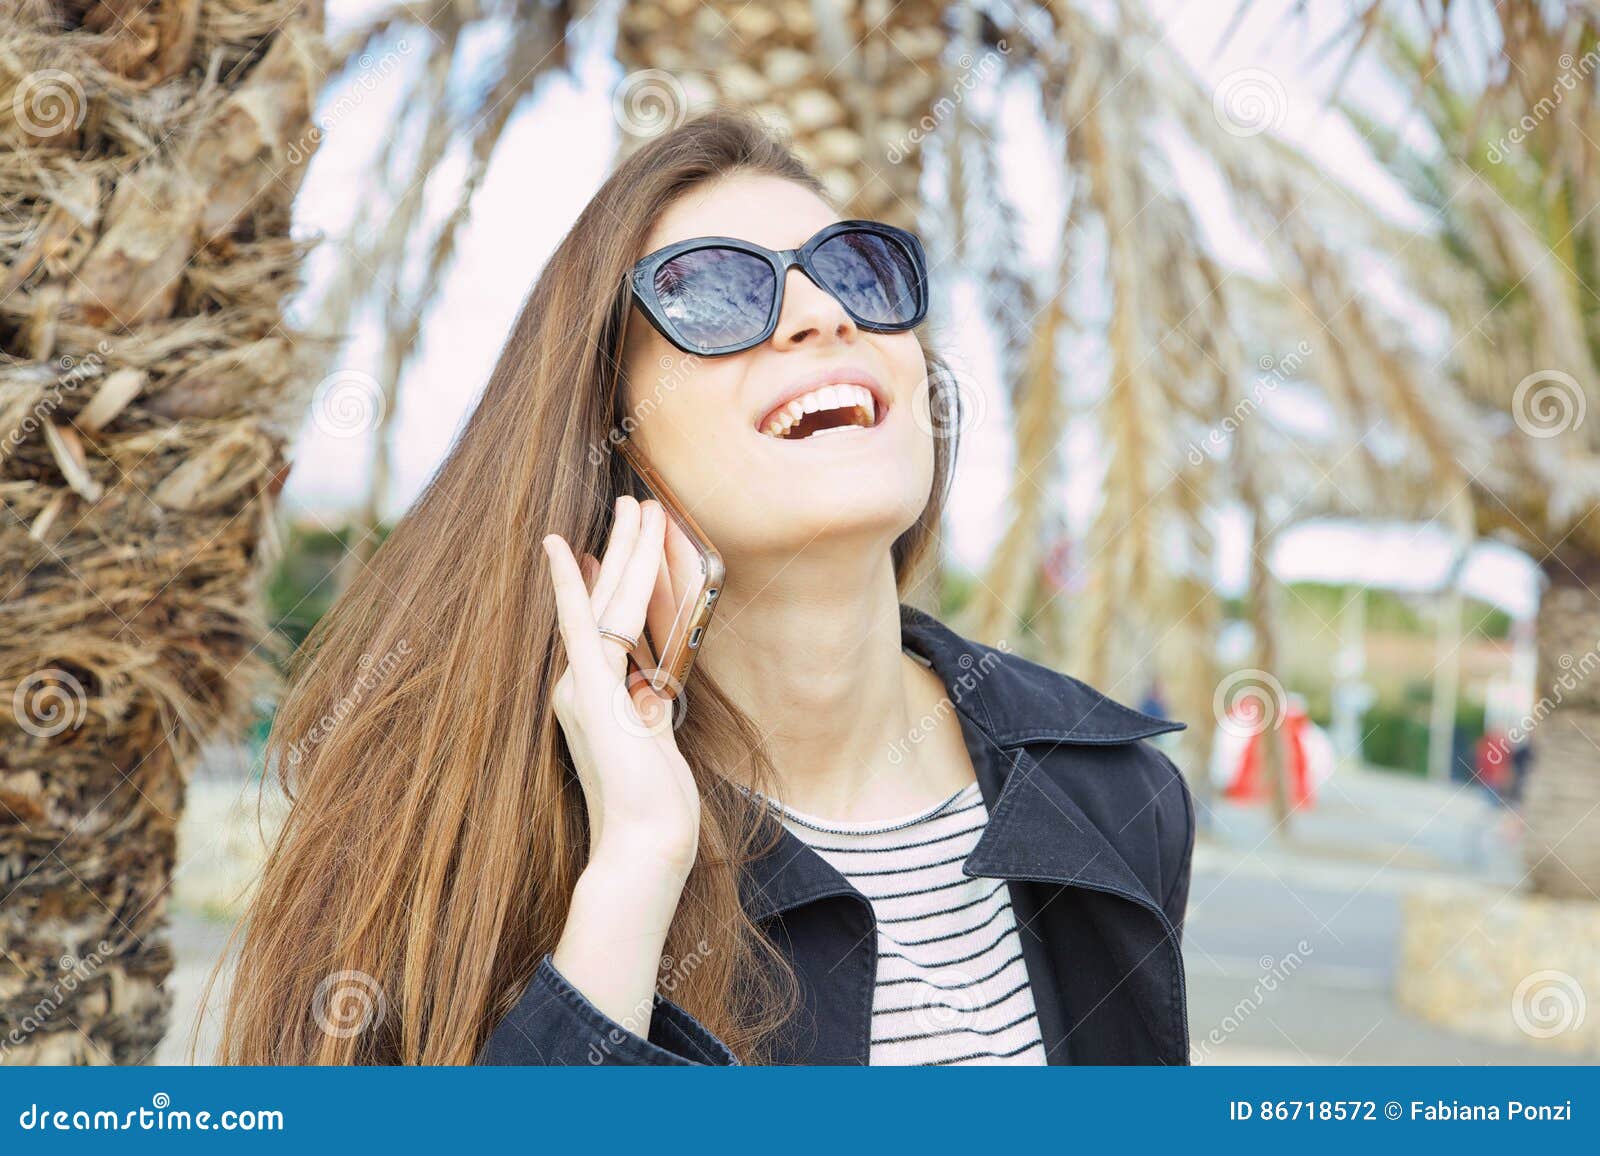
718, 295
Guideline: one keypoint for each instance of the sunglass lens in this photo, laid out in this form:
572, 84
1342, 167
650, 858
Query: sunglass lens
873, 275
716, 298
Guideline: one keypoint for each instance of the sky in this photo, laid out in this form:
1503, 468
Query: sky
555, 154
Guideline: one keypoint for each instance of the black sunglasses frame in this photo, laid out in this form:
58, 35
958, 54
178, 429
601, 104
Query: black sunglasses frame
642, 280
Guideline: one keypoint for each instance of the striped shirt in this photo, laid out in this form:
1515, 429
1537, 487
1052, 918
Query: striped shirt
952, 987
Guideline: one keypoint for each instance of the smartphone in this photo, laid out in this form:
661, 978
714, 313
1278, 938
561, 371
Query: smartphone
686, 588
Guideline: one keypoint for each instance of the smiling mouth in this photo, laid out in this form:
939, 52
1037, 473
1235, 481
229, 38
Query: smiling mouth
831, 409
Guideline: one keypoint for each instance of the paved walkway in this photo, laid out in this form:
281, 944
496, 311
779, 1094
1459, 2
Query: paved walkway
1291, 942
1293, 938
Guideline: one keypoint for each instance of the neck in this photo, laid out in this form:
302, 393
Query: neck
810, 650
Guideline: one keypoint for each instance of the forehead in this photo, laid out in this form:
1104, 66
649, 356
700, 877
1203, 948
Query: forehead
769, 211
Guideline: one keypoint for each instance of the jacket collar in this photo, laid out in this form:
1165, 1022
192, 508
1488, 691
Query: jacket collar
1036, 831
1017, 701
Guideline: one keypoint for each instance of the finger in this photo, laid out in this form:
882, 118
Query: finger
625, 612
665, 615
619, 548
573, 614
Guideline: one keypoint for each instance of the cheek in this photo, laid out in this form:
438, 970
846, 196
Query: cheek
681, 423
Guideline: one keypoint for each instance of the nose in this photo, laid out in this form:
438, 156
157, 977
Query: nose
810, 315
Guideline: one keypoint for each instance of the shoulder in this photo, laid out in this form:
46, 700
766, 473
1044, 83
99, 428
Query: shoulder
1094, 749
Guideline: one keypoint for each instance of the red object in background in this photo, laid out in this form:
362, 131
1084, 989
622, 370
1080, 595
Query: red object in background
1493, 760
1058, 564
1248, 783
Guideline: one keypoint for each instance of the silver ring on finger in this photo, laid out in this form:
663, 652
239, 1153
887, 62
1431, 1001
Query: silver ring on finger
628, 642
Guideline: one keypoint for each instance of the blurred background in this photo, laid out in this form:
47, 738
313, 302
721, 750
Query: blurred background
1274, 323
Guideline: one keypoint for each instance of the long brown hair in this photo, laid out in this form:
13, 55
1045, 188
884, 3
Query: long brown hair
436, 826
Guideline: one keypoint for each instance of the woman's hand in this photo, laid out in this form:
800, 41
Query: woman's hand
644, 807
642, 800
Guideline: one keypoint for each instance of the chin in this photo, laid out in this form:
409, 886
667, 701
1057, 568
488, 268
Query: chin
814, 518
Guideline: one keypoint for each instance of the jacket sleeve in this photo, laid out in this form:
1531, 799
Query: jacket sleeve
1176, 901
555, 1024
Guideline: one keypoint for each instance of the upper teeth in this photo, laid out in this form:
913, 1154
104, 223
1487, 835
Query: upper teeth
826, 398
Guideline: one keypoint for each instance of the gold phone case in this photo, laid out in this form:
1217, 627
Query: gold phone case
671, 659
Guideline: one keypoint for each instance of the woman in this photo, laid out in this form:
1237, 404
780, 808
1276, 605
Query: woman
866, 840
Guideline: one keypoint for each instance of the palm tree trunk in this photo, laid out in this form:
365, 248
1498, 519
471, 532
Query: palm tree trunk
149, 154
1563, 793
854, 82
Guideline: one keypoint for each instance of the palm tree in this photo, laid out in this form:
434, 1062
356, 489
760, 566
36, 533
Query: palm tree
1514, 264
148, 157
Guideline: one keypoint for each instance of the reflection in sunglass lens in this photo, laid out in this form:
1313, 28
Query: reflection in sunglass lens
871, 274
716, 297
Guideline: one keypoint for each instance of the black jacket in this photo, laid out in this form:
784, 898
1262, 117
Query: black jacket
1092, 828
